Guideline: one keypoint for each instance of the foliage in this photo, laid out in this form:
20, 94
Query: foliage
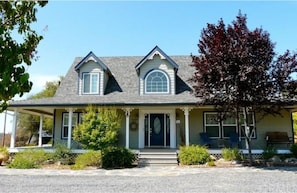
30, 158
117, 157
293, 149
231, 154
238, 70
269, 152
193, 155
4, 154
295, 123
63, 154
18, 47
28, 123
4, 150
99, 129
211, 163
90, 158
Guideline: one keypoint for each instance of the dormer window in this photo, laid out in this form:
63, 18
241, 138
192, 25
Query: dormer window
156, 82
90, 83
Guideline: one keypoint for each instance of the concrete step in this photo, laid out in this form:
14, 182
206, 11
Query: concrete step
157, 158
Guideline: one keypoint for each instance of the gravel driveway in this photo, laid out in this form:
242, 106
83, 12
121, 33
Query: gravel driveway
150, 179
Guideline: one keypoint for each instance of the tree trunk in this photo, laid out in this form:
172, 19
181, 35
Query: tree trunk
247, 135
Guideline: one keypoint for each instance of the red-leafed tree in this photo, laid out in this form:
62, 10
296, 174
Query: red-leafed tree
238, 71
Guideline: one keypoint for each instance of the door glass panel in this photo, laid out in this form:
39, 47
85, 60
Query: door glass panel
157, 125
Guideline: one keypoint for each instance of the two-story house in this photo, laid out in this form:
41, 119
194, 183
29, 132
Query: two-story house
154, 96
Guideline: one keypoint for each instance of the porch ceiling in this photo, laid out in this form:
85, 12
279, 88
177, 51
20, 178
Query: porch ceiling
45, 111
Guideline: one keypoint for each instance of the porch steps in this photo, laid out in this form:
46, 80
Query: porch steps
157, 157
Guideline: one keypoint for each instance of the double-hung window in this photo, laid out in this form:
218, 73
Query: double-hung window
222, 129
76, 118
91, 83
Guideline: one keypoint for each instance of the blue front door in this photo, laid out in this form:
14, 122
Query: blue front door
157, 129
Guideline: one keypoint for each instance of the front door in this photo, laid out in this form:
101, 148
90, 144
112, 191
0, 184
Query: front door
157, 129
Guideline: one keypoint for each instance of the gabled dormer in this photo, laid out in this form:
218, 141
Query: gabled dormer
93, 75
157, 74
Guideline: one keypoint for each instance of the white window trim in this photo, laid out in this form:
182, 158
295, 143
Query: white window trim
207, 124
145, 82
221, 125
64, 125
90, 85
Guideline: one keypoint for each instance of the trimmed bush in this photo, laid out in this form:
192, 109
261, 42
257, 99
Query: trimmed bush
193, 155
30, 158
231, 154
117, 157
293, 149
90, 158
269, 152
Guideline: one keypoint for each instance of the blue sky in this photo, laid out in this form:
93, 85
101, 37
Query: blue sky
120, 28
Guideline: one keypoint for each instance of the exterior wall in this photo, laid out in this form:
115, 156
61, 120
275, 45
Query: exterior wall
161, 64
92, 67
263, 125
272, 123
268, 123
133, 133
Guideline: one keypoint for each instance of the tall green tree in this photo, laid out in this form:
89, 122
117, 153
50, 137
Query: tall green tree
29, 124
18, 47
238, 71
99, 128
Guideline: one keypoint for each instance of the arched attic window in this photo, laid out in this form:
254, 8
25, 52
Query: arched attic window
156, 82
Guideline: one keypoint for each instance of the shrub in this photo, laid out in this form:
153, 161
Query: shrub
4, 154
117, 157
90, 158
30, 158
269, 152
293, 149
231, 154
100, 128
193, 155
211, 163
63, 154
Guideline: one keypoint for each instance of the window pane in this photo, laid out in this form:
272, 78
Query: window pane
157, 82
87, 83
65, 132
213, 131
230, 120
227, 130
94, 84
211, 119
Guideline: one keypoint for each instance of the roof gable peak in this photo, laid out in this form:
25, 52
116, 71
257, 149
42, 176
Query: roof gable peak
150, 56
91, 57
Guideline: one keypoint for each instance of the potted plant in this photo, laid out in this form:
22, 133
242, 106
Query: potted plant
4, 154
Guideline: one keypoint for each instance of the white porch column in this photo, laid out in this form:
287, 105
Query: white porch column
13, 130
40, 131
187, 129
127, 113
70, 115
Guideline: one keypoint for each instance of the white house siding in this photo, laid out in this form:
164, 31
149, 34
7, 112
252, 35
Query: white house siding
161, 64
91, 67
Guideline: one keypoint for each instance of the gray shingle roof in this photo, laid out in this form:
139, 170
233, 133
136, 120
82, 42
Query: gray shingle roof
122, 88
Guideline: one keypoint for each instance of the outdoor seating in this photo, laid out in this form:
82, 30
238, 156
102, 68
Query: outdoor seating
234, 140
277, 137
205, 139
